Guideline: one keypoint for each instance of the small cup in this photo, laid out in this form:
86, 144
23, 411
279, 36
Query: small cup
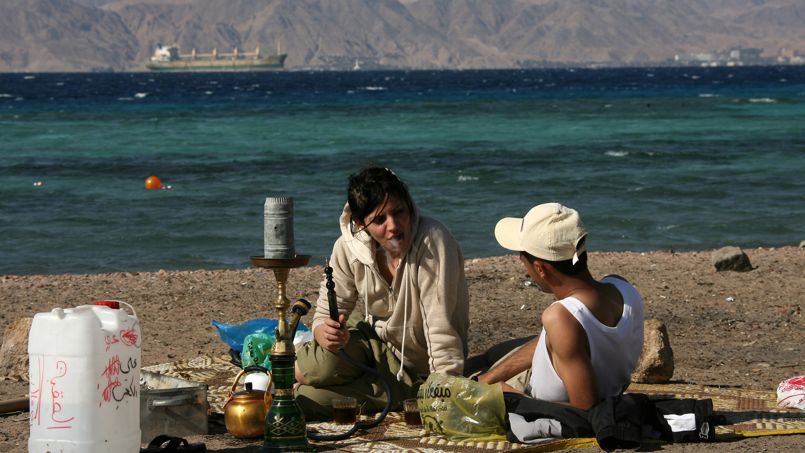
345, 410
412, 417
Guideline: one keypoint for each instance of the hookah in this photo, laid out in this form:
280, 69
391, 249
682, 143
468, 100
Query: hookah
284, 428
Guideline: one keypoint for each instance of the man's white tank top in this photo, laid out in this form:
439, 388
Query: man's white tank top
614, 351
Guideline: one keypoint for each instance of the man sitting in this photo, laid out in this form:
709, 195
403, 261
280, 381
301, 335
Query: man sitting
592, 334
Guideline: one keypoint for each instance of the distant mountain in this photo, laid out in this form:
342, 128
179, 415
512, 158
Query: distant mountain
85, 35
60, 35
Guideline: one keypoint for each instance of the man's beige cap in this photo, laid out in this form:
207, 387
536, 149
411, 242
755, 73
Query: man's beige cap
548, 231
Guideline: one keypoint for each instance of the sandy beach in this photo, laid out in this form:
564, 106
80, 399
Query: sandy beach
743, 329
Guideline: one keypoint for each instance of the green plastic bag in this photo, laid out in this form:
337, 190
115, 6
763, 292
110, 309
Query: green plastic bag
461, 409
257, 350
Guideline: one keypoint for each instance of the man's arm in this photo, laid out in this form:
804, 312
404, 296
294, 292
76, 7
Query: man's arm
517, 362
569, 349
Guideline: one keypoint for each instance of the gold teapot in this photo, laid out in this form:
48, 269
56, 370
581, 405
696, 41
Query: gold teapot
245, 410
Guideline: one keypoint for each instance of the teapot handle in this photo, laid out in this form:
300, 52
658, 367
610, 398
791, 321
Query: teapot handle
267, 398
235, 384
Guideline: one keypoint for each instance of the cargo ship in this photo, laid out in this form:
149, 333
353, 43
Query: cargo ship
168, 58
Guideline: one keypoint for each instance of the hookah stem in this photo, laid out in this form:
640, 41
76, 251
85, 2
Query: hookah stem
333, 305
331, 299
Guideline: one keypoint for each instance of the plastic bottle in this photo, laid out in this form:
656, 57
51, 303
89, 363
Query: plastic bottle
85, 379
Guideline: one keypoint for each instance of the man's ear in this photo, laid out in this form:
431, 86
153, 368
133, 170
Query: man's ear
540, 268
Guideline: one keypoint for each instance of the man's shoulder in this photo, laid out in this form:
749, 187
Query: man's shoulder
624, 286
557, 315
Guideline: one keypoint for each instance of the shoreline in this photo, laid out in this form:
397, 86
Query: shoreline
320, 259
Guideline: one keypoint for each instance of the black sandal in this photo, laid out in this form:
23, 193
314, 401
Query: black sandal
165, 443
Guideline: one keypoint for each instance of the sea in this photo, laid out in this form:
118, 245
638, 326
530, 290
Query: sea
653, 158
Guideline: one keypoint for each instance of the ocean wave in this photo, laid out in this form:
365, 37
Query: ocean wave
465, 178
617, 153
373, 88
708, 95
6, 95
140, 95
762, 100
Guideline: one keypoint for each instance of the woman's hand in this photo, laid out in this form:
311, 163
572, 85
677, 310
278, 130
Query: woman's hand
332, 335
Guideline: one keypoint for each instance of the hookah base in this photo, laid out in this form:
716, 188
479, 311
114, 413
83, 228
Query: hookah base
285, 445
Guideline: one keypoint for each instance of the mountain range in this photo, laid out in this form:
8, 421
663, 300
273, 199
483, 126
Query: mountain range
102, 35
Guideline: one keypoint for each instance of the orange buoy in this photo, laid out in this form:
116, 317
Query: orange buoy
153, 182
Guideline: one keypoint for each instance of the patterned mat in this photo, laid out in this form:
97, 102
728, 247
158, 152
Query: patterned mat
217, 372
749, 413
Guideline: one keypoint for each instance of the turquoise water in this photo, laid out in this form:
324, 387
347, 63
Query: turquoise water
673, 158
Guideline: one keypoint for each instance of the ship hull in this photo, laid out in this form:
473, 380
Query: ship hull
271, 63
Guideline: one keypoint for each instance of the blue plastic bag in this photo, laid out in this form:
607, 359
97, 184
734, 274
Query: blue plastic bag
235, 334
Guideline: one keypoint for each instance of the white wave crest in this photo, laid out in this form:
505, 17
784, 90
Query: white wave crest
617, 153
140, 95
465, 178
762, 100
374, 88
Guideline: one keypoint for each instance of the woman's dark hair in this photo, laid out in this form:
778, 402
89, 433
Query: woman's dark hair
369, 188
566, 267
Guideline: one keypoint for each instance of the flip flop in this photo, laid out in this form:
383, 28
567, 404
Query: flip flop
165, 443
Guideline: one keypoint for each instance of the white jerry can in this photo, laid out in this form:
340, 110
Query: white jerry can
85, 380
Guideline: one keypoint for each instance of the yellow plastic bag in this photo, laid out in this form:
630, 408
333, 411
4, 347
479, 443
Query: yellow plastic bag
461, 409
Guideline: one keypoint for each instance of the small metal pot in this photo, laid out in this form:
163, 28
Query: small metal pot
245, 411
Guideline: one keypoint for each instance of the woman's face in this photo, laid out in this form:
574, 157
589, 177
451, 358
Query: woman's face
390, 225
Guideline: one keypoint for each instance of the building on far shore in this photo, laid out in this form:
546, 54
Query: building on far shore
789, 56
737, 56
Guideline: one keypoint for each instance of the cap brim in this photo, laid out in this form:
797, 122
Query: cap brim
508, 233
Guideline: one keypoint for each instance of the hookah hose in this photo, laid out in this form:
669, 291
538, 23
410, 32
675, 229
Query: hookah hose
328, 271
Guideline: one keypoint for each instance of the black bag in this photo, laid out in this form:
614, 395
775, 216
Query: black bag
619, 422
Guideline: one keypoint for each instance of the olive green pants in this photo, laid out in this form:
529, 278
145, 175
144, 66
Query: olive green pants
332, 376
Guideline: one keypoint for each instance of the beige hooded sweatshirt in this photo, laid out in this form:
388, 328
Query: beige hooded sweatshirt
427, 299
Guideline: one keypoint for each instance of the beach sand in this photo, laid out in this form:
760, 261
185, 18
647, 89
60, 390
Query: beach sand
741, 329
